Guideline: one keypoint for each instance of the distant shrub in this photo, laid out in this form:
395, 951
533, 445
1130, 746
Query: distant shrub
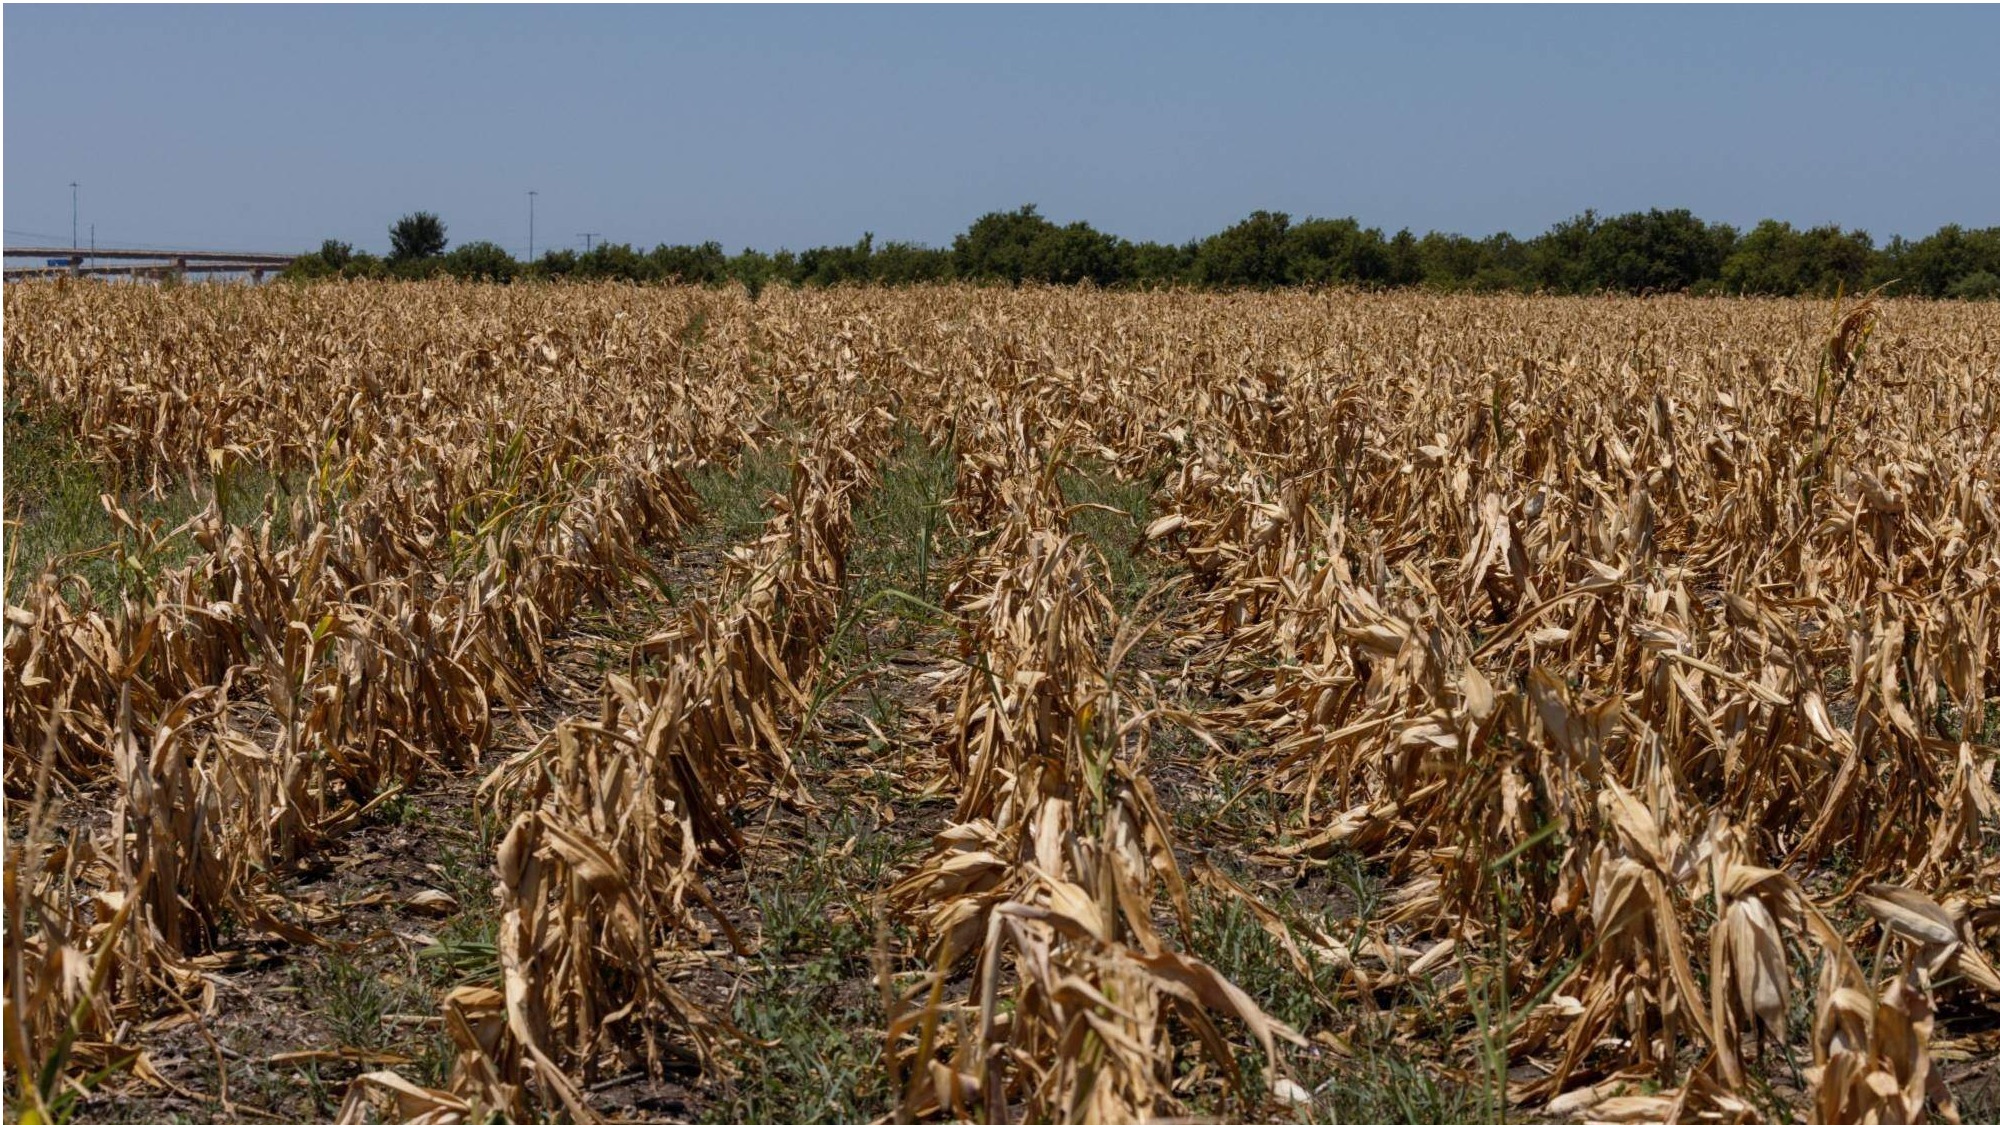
481, 261
1981, 286
1641, 252
332, 259
335, 253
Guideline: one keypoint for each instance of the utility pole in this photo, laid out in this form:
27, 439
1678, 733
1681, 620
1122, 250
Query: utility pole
531, 224
587, 235
72, 214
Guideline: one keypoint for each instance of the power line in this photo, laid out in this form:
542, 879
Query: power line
587, 235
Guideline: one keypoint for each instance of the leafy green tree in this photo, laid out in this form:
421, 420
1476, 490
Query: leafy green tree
751, 269
1503, 264
1766, 260
1836, 259
413, 269
332, 259
1073, 254
335, 253
481, 261
1559, 259
1249, 254
1977, 286
1776, 259
1641, 252
756, 269
1405, 258
705, 264
1931, 267
1334, 251
999, 246
364, 266
554, 264
1157, 263
415, 237
834, 265
615, 261
1655, 252
909, 263
1453, 261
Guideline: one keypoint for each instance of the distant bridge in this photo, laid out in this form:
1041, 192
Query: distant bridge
73, 262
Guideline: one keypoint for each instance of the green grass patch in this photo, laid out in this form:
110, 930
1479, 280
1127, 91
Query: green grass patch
1228, 936
56, 519
736, 495
1382, 1085
1369, 1080
900, 532
812, 993
1110, 512
1237, 804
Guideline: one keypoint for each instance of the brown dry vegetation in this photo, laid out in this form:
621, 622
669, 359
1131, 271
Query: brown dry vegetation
619, 704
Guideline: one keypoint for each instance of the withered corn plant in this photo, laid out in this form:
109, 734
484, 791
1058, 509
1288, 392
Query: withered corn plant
1646, 649
1570, 645
247, 703
600, 875
1058, 849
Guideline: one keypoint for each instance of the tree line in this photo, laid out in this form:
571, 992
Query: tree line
1642, 252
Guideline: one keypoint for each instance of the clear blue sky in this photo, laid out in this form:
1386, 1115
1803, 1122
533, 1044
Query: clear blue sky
274, 127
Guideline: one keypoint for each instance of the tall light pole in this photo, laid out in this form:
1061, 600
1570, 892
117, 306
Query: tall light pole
531, 224
72, 214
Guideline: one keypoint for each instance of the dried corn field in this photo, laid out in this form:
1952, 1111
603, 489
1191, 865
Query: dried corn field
608, 704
